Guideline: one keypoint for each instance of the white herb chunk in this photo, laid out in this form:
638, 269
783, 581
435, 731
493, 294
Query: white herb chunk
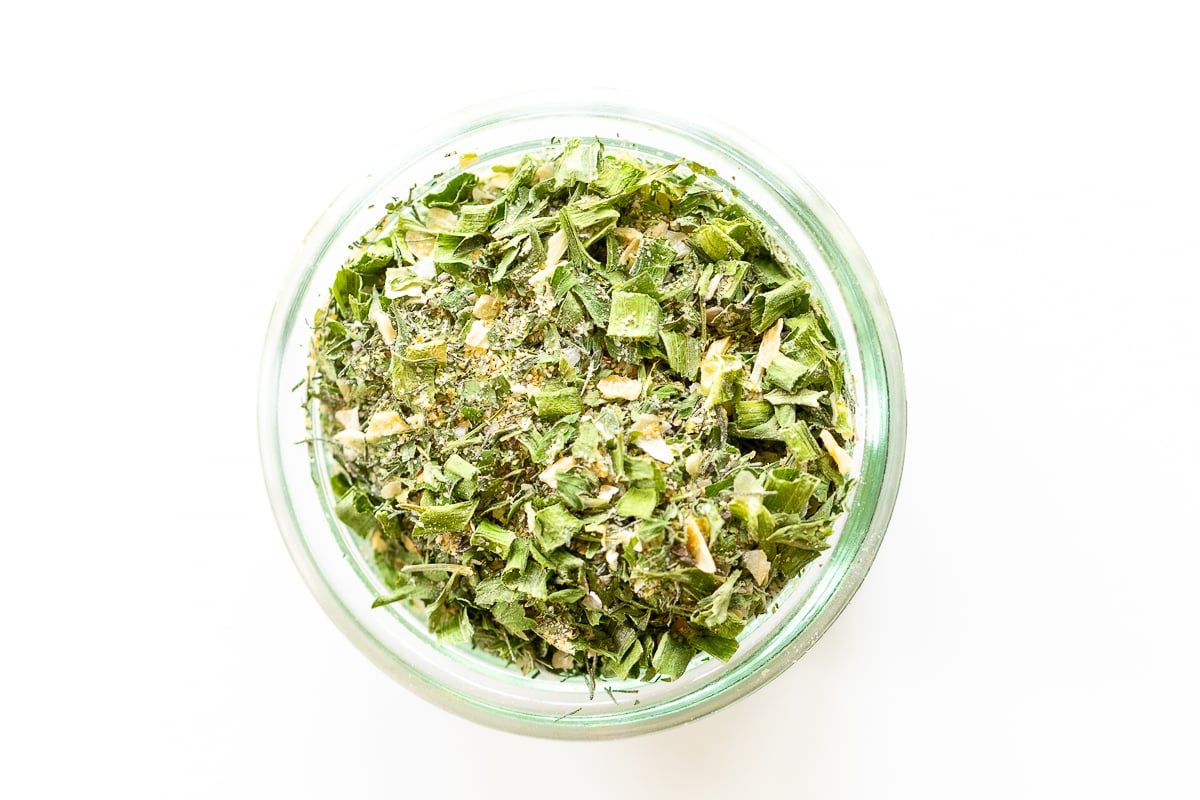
835, 450
385, 423
657, 449
697, 544
439, 219
477, 336
487, 306
549, 475
757, 565
421, 244
767, 351
614, 387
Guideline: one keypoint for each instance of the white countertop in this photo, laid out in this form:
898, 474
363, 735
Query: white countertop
1024, 182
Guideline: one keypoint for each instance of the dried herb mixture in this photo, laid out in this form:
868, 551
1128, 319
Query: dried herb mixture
584, 409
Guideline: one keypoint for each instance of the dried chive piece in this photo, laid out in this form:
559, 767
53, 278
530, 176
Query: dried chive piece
634, 316
355, 509
433, 351
583, 410
683, 353
554, 526
785, 372
557, 402
716, 244
801, 444
490, 536
753, 412
638, 502
462, 475
456, 192
789, 490
716, 646
769, 307
672, 656
451, 518
654, 259
724, 378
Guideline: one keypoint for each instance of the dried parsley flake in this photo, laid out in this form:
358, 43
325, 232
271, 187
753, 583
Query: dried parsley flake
584, 409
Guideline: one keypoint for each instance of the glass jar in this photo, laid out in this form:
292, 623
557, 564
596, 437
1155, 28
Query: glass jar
334, 562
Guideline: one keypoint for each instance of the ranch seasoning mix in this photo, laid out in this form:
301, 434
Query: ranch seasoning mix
585, 411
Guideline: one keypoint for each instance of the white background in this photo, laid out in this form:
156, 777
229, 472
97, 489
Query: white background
1024, 179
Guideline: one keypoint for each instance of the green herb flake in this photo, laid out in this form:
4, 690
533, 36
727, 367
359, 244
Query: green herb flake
452, 518
491, 537
672, 656
638, 502
557, 401
785, 372
355, 510
683, 353
716, 244
634, 316
554, 526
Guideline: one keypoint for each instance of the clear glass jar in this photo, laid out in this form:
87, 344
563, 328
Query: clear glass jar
333, 561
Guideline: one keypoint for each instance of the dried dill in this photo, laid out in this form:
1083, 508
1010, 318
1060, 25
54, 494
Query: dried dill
585, 411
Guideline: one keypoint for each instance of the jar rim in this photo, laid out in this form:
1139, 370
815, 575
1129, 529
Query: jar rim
865, 322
